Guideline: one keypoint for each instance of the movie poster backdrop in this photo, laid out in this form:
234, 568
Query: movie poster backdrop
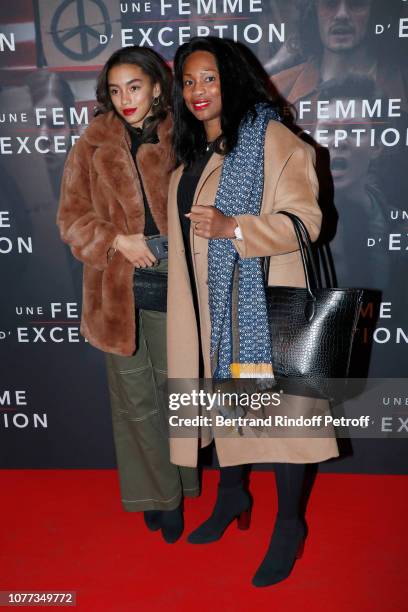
340, 63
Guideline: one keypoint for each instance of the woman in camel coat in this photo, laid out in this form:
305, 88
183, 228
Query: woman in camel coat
114, 197
285, 189
208, 75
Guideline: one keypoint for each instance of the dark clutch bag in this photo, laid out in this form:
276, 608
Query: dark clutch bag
158, 246
150, 289
312, 329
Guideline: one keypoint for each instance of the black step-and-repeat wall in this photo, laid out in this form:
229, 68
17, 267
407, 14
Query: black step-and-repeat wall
342, 63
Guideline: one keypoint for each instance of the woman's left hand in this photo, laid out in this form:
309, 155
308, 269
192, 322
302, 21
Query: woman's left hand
209, 222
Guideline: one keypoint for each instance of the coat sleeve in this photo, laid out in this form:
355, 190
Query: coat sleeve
296, 191
88, 234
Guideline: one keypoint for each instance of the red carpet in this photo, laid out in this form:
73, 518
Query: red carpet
65, 531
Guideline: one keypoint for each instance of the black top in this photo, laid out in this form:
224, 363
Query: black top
185, 195
150, 228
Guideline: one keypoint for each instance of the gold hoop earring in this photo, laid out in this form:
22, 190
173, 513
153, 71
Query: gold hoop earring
156, 101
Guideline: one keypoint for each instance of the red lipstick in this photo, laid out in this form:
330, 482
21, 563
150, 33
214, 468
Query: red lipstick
128, 111
200, 105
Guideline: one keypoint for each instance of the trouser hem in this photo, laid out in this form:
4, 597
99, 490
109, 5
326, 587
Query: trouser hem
151, 504
155, 504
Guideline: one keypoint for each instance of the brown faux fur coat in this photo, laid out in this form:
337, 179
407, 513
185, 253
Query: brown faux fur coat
100, 198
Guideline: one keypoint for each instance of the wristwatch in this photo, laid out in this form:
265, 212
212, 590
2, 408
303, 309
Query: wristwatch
238, 233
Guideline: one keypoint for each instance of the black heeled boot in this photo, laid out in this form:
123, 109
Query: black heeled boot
232, 502
285, 547
172, 524
152, 519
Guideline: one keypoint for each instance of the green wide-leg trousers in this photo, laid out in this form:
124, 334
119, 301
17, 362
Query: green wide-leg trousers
137, 386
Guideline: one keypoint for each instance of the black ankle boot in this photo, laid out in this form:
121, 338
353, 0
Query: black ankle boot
152, 519
232, 502
285, 547
172, 524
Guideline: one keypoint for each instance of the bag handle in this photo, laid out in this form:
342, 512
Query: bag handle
326, 259
309, 266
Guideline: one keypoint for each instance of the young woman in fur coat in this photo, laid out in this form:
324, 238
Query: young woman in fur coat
113, 197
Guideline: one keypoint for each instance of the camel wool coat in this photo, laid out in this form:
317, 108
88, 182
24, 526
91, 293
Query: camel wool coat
290, 183
100, 198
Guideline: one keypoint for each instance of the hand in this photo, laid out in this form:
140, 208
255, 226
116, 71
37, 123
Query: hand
208, 222
135, 250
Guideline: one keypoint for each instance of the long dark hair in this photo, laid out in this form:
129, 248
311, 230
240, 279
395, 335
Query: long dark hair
241, 88
156, 69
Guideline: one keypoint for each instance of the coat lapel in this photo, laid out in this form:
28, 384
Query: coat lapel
199, 246
173, 214
156, 163
113, 163
214, 162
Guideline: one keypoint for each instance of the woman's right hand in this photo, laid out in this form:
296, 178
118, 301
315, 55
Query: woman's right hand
135, 249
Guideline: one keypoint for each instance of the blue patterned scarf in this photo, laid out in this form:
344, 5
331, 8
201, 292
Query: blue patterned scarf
242, 350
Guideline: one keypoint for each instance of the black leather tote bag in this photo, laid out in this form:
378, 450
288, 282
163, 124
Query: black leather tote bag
312, 328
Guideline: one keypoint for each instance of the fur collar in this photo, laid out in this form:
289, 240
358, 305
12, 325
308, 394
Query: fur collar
113, 162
